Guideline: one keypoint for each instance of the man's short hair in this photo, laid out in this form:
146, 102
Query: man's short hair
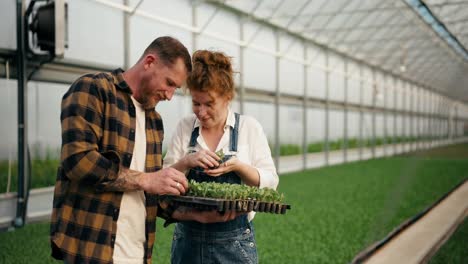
169, 50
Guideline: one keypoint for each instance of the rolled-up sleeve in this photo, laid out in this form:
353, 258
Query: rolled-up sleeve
261, 155
175, 149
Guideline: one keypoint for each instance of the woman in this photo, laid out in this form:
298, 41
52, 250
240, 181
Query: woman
214, 127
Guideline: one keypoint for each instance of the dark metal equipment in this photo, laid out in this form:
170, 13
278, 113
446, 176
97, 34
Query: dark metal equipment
48, 28
48, 33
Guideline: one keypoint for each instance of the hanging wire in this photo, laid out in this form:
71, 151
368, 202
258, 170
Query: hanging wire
7, 70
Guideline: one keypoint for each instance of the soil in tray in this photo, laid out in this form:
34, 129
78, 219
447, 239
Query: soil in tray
204, 203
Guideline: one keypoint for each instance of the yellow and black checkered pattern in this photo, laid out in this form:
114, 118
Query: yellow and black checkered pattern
98, 137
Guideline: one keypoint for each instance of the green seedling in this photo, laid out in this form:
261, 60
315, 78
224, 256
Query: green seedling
233, 191
220, 154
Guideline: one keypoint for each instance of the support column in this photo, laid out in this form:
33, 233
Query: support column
403, 119
432, 127
345, 119
304, 107
449, 123
395, 108
411, 110
361, 114
374, 102
385, 113
455, 118
126, 37
435, 107
194, 25
241, 66
23, 161
427, 116
418, 112
277, 99
327, 108
418, 117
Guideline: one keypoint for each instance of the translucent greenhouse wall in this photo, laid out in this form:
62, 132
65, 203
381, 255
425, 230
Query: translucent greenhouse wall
344, 99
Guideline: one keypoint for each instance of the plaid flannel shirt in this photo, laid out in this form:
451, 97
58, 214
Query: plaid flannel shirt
98, 137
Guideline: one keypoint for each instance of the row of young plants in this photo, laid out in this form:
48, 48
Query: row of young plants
454, 250
319, 146
233, 192
43, 174
43, 170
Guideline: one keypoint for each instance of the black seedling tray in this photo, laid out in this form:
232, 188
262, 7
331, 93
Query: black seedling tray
221, 205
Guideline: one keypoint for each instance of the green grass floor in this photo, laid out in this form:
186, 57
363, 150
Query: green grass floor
455, 250
336, 211
340, 210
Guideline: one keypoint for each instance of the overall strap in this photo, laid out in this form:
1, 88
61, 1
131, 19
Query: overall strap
234, 134
194, 136
233, 138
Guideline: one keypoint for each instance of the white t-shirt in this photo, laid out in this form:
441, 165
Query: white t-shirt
130, 238
252, 147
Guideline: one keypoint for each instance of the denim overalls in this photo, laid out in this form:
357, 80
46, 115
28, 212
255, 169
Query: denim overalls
226, 242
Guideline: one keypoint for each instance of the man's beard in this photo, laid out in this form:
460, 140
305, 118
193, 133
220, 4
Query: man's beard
148, 103
147, 100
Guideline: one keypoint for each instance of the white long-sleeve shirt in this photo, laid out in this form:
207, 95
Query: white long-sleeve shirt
252, 147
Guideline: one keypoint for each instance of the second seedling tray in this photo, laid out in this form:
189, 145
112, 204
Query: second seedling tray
204, 203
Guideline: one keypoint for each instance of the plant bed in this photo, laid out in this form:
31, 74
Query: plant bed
229, 197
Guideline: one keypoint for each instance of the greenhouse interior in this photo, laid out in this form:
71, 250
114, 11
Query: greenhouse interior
363, 106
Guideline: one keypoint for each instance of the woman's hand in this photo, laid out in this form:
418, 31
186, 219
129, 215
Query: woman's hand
225, 167
248, 174
202, 158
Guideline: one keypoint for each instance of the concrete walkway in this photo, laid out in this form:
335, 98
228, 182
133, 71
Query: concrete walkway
418, 242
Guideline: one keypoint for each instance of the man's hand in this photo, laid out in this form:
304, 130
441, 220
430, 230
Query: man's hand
205, 217
164, 181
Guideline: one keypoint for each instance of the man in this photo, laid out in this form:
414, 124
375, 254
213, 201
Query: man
105, 200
